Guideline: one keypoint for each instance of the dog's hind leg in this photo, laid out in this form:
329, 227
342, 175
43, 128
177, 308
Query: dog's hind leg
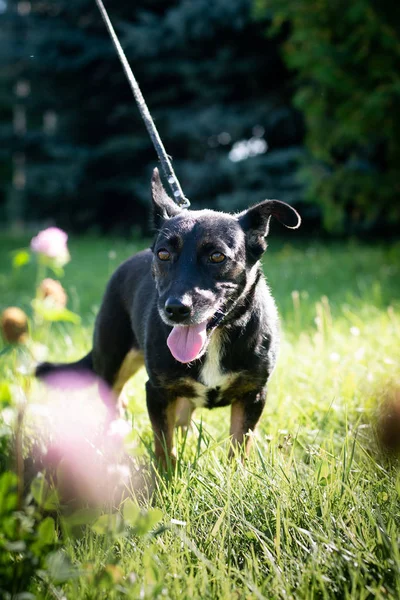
245, 414
162, 413
132, 362
116, 355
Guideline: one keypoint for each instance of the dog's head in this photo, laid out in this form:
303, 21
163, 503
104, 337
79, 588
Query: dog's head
204, 261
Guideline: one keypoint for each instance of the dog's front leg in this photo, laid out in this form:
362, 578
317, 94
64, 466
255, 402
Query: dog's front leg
245, 414
162, 413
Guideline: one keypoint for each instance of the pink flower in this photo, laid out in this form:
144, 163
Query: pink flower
72, 421
119, 428
52, 242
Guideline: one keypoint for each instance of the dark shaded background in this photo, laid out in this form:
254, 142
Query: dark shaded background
289, 99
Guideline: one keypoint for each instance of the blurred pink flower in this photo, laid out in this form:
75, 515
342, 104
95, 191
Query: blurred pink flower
83, 445
119, 428
52, 242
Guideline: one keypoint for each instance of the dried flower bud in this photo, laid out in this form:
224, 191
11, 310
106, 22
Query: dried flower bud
50, 288
14, 325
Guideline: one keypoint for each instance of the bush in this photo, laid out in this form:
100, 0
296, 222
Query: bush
347, 59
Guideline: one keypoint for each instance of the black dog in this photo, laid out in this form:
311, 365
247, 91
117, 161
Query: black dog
196, 310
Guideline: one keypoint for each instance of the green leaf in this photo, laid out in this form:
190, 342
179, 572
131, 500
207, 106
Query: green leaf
8, 496
60, 567
5, 394
130, 512
20, 258
84, 516
50, 312
108, 524
148, 520
47, 531
58, 271
45, 535
39, 489
142, 521
46, 497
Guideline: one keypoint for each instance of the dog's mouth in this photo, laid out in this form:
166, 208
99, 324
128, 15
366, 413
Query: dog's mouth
188, 342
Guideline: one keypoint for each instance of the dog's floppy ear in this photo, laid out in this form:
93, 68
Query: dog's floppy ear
163, 207
255, 222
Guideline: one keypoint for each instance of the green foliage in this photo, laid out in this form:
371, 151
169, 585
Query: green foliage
213, 81
44, 495
26, 539
346, 57
50, 312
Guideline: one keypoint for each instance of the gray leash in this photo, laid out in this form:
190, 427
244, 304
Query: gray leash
178, 195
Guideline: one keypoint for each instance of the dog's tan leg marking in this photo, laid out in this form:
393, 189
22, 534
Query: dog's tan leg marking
240, 441
131, 363
237, 428
164, 436
244, 418
184, 411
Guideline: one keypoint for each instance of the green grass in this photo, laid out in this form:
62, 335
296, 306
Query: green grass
314, 513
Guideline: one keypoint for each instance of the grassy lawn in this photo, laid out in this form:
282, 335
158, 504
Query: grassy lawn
315, 511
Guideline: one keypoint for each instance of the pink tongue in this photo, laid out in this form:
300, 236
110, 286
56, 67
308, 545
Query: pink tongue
186, 342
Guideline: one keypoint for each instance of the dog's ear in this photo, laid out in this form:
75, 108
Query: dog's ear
255, 222
163, 207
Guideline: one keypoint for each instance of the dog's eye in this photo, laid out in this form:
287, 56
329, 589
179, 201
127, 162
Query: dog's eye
163, 254
217, 257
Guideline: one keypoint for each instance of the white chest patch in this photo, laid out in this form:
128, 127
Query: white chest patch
211, 375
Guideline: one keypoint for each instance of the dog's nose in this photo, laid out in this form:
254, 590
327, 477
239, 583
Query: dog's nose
177, 310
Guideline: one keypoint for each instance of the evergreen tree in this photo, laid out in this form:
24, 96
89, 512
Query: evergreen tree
215, 85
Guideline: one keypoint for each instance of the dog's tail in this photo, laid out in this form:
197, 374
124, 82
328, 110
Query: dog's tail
82, 367
46, 368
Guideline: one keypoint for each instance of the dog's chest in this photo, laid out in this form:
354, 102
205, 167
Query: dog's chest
212, 383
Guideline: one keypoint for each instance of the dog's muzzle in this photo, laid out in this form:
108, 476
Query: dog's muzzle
177, 310
188, 341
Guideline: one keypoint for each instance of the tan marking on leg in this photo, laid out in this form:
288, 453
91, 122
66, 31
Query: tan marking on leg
131, 363
163, 437
184, 411
240, 442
